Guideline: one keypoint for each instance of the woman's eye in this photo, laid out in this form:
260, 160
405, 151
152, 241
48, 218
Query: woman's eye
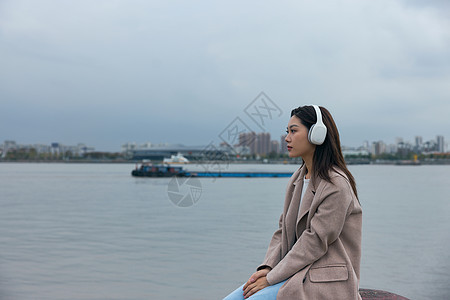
287, 131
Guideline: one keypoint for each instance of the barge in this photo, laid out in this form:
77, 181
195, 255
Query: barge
165, 170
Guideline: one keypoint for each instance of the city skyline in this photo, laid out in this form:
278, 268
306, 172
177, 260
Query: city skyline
255, 144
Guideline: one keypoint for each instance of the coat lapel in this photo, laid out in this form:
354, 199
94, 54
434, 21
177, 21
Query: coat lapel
292, 206
293, 182
307, 201
308, 198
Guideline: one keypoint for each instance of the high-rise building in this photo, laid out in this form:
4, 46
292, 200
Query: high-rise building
274, 147
263, 143
440, 143
248, 139
378, 148
283, 144
418, 144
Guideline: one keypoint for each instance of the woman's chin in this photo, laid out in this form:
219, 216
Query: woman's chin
293, 155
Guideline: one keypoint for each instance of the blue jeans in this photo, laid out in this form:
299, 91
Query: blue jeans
267, 293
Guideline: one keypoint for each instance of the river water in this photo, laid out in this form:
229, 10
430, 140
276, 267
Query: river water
92, 231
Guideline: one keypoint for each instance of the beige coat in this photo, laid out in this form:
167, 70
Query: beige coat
318, 250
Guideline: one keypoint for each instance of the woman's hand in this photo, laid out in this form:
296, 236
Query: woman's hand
251, 283
257, 274
259, 284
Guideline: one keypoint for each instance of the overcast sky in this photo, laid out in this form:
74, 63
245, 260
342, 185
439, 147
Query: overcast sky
107, 72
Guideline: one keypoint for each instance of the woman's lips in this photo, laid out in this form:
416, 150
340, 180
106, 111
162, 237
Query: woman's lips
289, 148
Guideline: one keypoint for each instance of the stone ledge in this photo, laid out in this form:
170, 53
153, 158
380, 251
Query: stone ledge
367, 294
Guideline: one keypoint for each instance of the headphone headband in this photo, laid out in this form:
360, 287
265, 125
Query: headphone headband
318, 114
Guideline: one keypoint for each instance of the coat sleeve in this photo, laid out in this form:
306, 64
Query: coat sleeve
273, 255
334, 205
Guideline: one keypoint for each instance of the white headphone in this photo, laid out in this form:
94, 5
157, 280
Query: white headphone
318, 131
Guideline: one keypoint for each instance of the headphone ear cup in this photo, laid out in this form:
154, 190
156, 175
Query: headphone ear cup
317, 134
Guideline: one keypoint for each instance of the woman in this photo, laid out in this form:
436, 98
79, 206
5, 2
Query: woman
316, 252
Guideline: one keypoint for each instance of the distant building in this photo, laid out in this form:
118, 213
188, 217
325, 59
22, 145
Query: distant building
263, 143
391, 148
418, 143
248, 140
53, 149
429, 146
42, 148
274, 147
59, 149
354, 152
404, 148
192, 153
440, 144
283, 144
366, 145
378, 148
258, 143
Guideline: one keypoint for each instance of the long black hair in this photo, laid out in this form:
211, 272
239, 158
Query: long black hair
328, 155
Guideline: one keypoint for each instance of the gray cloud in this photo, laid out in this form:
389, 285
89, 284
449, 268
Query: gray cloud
107, 72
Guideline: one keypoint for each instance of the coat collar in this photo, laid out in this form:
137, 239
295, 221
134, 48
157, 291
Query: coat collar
297, 178
300, 173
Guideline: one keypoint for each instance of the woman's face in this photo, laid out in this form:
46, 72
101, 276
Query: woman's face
297, 140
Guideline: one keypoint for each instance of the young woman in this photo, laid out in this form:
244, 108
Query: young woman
316, 252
